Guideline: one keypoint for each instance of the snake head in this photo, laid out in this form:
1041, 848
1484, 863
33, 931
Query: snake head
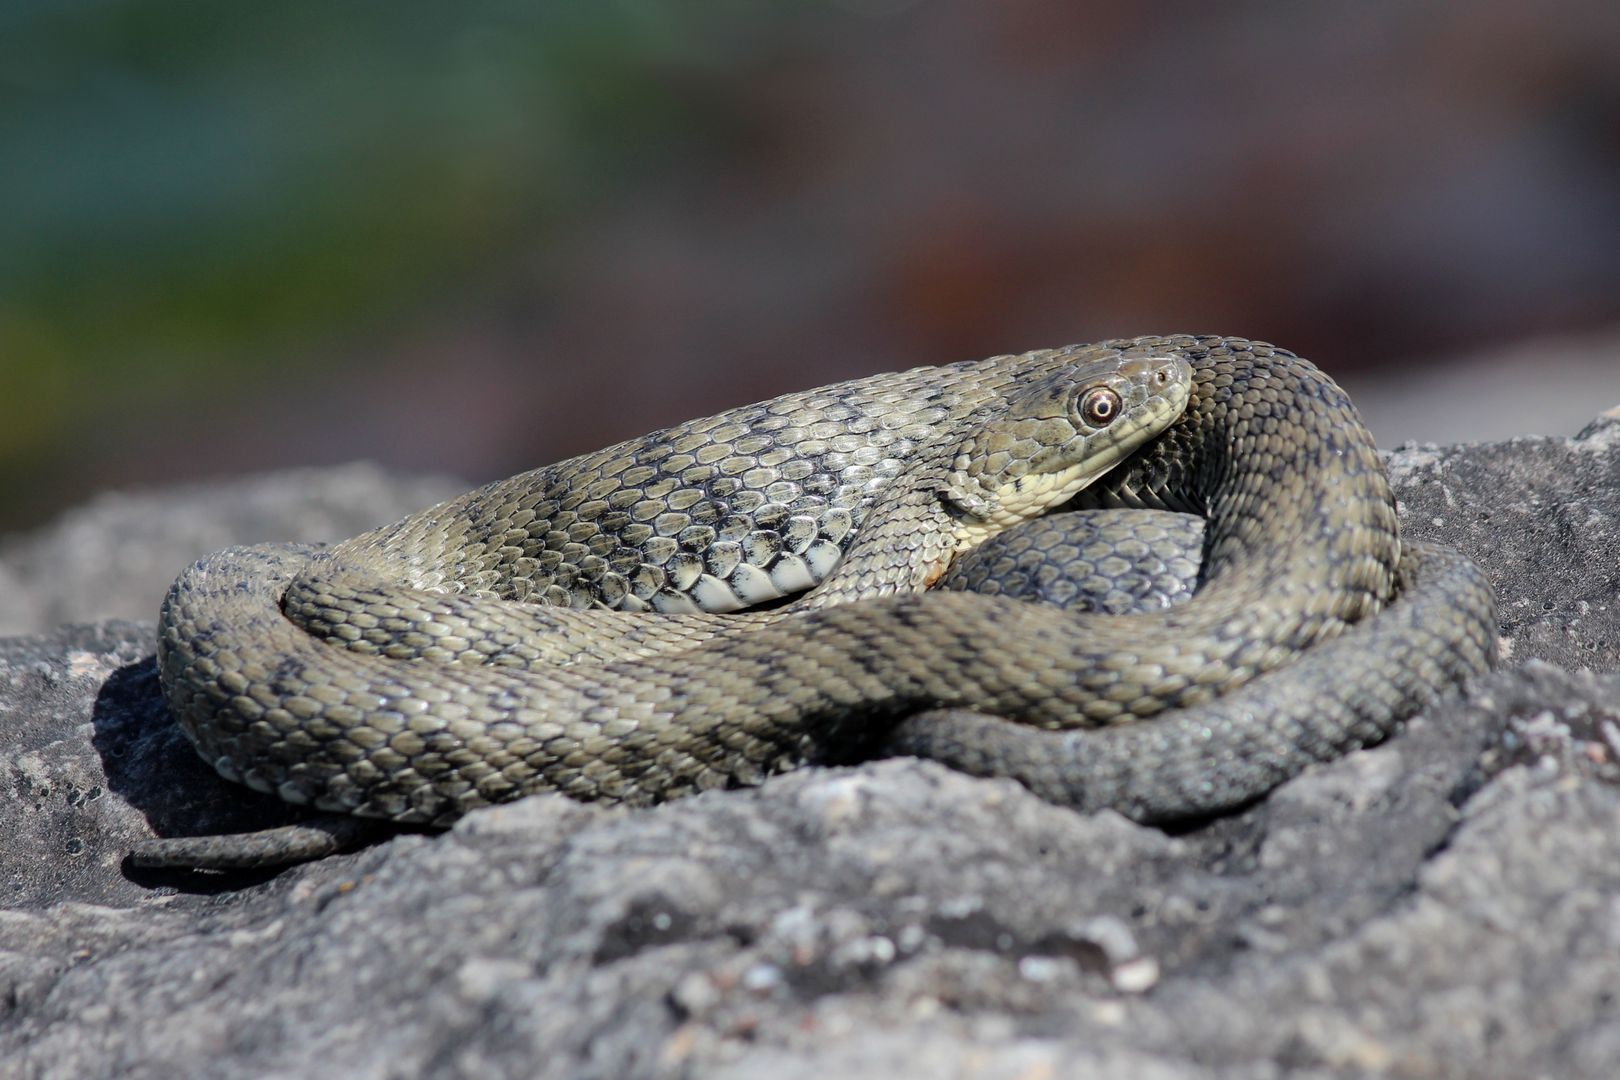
1058, 435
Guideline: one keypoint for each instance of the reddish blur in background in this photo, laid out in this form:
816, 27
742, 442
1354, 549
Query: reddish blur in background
480, 237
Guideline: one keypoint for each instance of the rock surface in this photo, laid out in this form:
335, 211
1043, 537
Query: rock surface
1444, 905
115, 556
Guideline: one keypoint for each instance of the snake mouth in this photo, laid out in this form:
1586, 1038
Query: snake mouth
1153, 420
1046, 490
1033, 494
1168, 391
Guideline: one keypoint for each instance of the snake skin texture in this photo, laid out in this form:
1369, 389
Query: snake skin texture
1206, 759
1116, 562
360, 679
1003, 441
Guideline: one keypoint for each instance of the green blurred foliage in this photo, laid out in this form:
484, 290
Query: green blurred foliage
199, 186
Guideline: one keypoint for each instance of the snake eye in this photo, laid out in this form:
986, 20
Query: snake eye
1099, 407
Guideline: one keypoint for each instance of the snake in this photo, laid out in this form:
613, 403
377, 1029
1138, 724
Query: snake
733, 597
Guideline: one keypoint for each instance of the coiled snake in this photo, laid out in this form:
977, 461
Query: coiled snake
400, 675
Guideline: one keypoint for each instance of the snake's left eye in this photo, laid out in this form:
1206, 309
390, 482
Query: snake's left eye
1099, 407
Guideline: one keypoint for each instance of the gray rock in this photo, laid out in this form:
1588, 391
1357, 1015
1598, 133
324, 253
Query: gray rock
1541, 515
114, 557
1447, 904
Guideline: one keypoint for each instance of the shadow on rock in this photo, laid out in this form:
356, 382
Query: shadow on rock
151, 764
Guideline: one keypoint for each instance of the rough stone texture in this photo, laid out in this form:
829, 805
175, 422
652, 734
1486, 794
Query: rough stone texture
114, 557
1445, 905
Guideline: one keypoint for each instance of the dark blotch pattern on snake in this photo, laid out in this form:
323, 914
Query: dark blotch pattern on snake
387, 698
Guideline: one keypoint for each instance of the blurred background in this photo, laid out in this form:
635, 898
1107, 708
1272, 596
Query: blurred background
483, 236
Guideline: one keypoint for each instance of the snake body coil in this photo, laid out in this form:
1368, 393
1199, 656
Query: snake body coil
389, 696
